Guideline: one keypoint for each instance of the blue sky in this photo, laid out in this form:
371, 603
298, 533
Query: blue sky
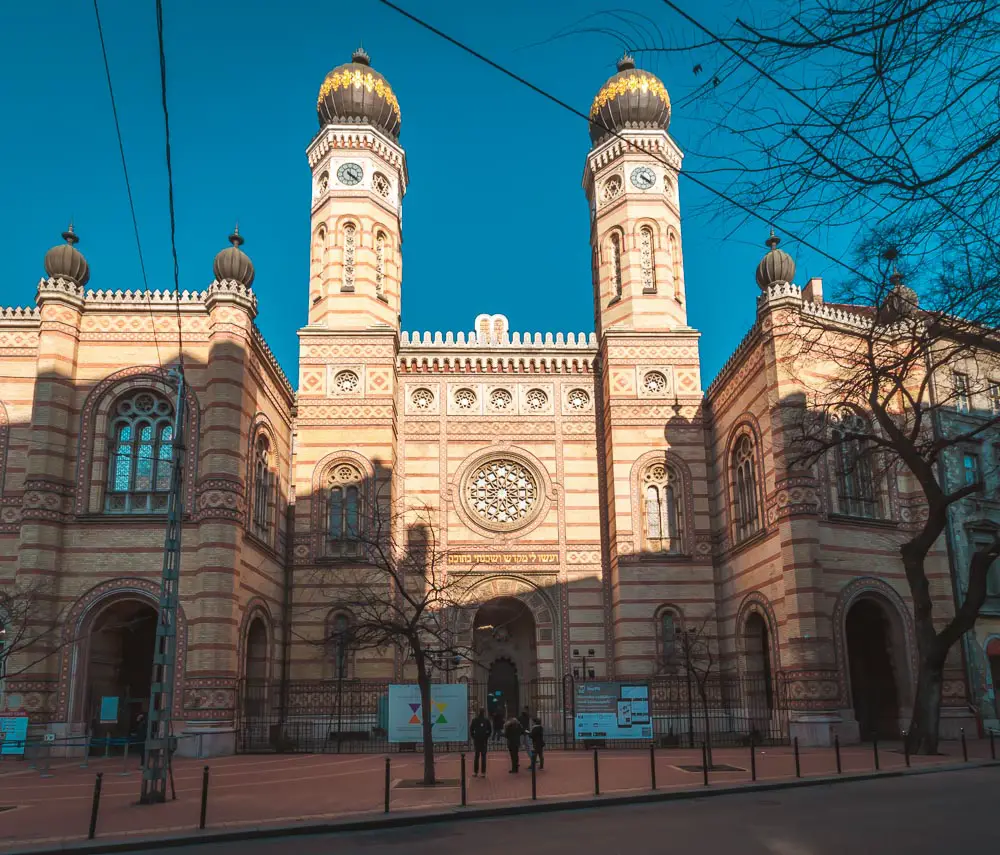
494, 220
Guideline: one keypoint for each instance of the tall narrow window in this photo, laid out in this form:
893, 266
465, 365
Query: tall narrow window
141, 440
262, 486
971, 469
745, 492
647, 260
344, 512
340, 642
661, 511
854, 459
616, 263
994, 392
379, 263
350, 245
675, 264
668, 635
961, 392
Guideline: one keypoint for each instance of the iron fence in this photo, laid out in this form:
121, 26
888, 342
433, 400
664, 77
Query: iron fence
351, 716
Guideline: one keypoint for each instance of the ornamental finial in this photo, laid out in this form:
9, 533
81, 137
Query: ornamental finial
626, 62
360, 56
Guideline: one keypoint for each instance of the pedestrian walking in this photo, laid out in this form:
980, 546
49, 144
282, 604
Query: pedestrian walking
512, 732
537, 734
525, 719
137, 736
480, 731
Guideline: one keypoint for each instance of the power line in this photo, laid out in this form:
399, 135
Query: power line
837, 126
170, 178
128, 183
725, 197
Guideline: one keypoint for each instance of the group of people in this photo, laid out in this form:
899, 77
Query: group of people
519, 732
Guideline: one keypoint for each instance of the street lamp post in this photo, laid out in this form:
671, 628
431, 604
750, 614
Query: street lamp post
576, 655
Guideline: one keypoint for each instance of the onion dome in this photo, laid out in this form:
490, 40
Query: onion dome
631, 99
776, 266
66, 261
233, 262
355, 93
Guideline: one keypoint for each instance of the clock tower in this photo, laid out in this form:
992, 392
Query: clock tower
358, 182
631, 184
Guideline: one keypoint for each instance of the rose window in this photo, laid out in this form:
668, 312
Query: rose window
536, 399
465, 399
654, 382
501, 399
346, 381
578, 399
501, 493
422, 399
381, 184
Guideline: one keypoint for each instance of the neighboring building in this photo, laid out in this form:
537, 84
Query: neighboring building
972, 399
610, 501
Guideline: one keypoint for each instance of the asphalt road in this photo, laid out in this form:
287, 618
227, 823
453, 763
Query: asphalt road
921, 815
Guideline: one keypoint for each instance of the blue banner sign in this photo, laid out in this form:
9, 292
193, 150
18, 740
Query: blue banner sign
612, 711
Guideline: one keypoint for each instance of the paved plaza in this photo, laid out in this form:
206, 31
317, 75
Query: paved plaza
265, 790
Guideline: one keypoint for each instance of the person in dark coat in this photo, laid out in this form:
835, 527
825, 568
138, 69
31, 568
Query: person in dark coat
138, 737
480, 731
525, 719
498, 720
537, 735
512, 731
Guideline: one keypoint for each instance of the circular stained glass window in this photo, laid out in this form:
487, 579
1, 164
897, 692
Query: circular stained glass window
501, 493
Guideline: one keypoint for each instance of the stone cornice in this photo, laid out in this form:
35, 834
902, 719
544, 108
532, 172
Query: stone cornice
231, 292
268, 356
470, 343
18, 317
469, 361
340, 137
60, 290
737, 358
658, 144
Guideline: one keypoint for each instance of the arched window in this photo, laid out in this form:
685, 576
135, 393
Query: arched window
379, 263
616, 263
675, 264
350, 248
142, 433
668, 635
853, 459
661, 509
263, 486
647, 260
345, 511
746, 508
340, 643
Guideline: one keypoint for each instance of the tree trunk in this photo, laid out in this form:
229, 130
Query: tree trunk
427, 719
922, 736
708, 730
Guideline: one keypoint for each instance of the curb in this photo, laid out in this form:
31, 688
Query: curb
416, 818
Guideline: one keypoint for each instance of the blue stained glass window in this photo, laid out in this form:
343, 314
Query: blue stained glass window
351, 514
121, 471
166, 450
336, 513
141, 451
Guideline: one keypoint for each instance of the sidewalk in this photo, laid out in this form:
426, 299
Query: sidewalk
261, 790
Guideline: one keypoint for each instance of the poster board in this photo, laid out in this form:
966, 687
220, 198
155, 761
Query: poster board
109, 709
13, 734
450, 713
612, 711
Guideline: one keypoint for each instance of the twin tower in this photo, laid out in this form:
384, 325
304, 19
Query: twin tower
360, 179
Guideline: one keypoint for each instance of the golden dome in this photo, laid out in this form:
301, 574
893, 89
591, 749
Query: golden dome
631, 99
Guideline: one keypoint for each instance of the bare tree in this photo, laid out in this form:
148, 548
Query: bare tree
694, 654
400, 594
31, 631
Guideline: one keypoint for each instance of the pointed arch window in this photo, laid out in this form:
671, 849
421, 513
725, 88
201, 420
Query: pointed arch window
379, 264
345, 512
350, 249
616, 264
646, 256
669, 625
854, 467
675, 264
661, 509
142, 435
746, 506
263, 487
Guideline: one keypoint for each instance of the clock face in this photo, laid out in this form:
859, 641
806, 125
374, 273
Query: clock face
350, 173
643, 177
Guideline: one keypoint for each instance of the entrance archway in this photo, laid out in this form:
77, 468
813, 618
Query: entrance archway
760, 687
119, 664
255, 668
873, 651
504, 646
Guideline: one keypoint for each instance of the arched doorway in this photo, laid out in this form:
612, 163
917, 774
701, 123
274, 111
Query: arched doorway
874, 649
759, 689
505, 651
255, 654
119, 664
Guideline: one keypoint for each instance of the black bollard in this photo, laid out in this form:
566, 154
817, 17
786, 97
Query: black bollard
534, 789
798, 768
95, 806
386, 784
993, 747
906, 749
965, 747
652, 764
704, 762
836, 750
597, 776
753, 760
875, 750
463, 779
204, 797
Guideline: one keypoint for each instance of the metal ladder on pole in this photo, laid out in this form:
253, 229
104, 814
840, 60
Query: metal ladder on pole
156, 768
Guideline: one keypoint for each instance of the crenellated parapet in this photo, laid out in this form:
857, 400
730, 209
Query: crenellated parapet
232, 293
